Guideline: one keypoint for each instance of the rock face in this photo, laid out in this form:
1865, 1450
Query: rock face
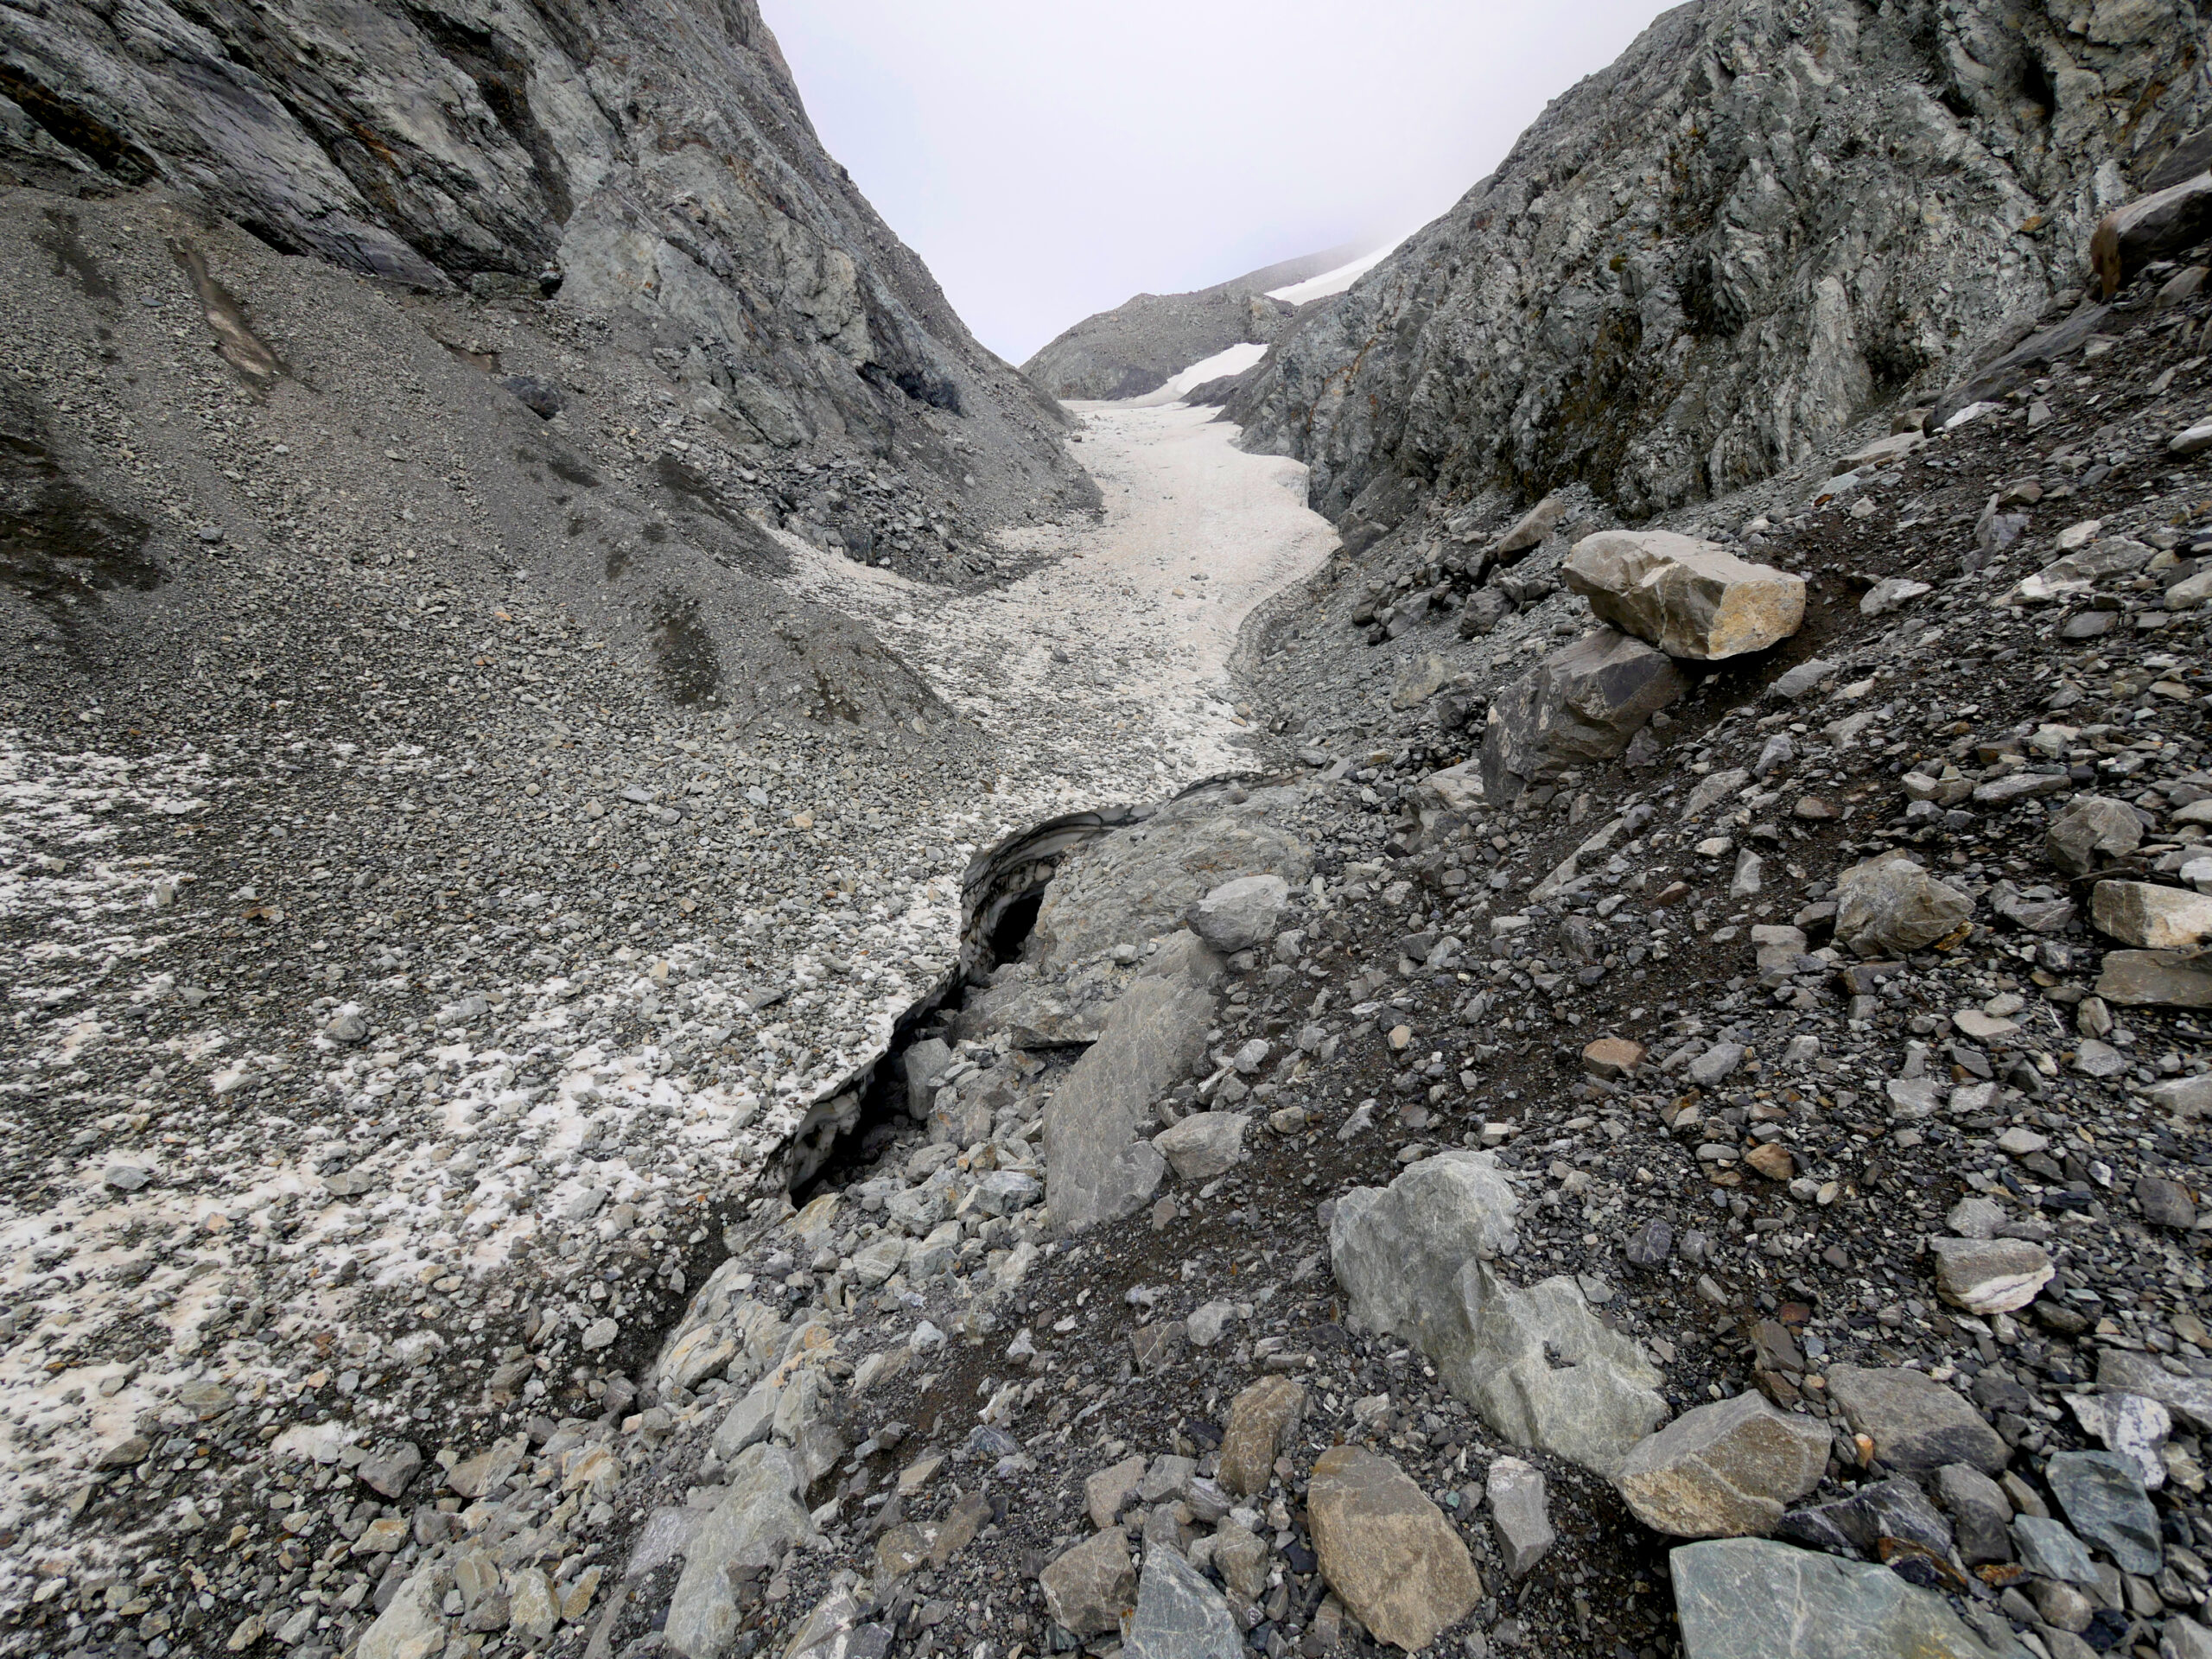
1752, 1599
1579, 705
1386, 1550
1608, 309
1142, 343
1724, 1471
1095, 1167
1689, 598
1541, 1368
407, 144
1890, 906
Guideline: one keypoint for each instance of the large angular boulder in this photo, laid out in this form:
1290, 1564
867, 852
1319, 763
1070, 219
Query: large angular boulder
1202, 1145
1989, 1275
1724, 1471
1753, 1599
1386, 1550
1087, 1589
1179, 1614
1579, 706
1239, 914
1916, 1423
1530, 530
1691, 599
2176, 979
2149, 916
2165, 221
2090, 830
2079, 571
1262, 1420
1140, 882
1890, 906
1539, 1367
1095, 1169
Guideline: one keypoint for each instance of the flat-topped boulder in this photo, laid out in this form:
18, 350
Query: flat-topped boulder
1691, 599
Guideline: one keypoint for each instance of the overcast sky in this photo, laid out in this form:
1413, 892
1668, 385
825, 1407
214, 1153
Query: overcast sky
1049, 158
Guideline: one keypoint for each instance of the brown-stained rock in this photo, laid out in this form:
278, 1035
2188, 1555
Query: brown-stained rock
1260, 1419
1386, 1550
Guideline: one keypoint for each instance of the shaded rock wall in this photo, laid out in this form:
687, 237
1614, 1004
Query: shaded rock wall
656, 161
1764, 219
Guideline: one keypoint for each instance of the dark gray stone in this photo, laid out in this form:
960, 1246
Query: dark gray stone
1917, 1424
2049, 1549
1982, 1516
1890, 1509
2104, 1499
1179, 1615
1580, 705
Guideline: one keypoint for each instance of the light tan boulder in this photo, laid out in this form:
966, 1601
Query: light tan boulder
1386, 1550
1725, 1471
2152, 918
1691, 599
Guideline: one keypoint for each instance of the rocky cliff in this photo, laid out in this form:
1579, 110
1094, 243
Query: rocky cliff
1764, 219
1140, 344
655, 167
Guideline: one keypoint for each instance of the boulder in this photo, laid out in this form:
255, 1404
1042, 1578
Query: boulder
2172, 979
1724, 1471
1531, 528
1386, 1550
1982, 1516
1692, 598
1239, 914
1419, 677
925, 1059
1895, 1509
1517, 1510
1916, 1423
1202, 1145
2149, 916
2080, 570
1107, 1493
1261, 1418
1087, 1589
408, 1627
1140, 882
1179, 1615
1752, 1599
2105, 1502
2133, 235
757, 1520
1095, 1169
1890, 906
1485, 608
2090, 830
1580, 705
1538, 1365
1989, 1275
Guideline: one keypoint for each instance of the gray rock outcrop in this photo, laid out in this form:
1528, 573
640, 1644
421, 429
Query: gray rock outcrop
1666, 323
1144, 342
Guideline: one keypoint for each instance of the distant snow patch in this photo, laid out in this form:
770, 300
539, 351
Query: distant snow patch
1332, 281
1235, 360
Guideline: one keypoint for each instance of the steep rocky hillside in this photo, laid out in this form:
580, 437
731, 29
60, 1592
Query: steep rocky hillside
1700, 263
654, 168
1139, 344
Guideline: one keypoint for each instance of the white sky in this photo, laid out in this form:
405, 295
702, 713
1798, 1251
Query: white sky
1049, 158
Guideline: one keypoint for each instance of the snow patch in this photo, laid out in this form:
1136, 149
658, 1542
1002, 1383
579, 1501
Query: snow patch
1332, 281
